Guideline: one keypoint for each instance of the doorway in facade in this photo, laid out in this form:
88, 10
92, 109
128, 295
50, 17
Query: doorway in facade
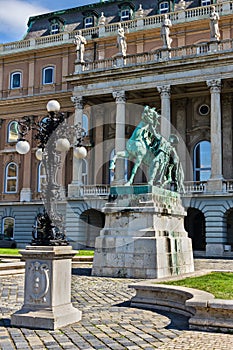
94, 222
195, 226
229, 217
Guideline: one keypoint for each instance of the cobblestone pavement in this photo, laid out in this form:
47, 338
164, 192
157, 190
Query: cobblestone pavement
107, 323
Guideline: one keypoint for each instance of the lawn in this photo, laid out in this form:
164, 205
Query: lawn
220, 284
10, 251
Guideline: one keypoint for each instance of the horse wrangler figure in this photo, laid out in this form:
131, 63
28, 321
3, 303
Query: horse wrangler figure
147, 146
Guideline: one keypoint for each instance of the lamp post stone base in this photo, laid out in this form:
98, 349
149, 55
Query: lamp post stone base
47, 289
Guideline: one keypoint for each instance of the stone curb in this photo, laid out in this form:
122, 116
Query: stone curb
205, 312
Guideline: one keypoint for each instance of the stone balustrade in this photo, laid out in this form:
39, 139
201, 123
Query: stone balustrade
195, 186
95, 190
137, 24
228, 186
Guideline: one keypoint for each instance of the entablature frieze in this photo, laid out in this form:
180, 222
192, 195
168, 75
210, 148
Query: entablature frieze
157, 79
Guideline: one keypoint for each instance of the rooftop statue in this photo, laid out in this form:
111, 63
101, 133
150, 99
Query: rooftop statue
214, 29
147, 146
165, 32
80, 42
121, 40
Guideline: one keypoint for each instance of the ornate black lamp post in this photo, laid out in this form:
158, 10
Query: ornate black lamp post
54, 136
47, 294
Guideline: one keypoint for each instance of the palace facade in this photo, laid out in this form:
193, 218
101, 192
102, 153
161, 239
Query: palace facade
190, 83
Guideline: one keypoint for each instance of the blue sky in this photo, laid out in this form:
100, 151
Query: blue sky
14, 14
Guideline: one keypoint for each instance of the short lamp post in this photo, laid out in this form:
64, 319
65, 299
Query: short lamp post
47, 294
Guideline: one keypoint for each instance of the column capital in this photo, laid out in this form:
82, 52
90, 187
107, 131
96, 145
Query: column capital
119, 96
164, 90
78, 102
214, 85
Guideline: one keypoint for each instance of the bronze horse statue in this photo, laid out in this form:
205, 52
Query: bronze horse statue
147, 146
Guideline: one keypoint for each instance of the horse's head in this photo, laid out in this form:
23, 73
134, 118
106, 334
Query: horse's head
150, 115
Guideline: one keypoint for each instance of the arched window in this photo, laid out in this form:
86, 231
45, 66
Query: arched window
15, 80
41, 177
11, 178
8, 227
85, 123
84, 172
48, 75
111, 172
12, 132
202, 161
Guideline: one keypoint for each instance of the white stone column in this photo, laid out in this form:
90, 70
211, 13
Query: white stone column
120, 135
215, 182
74, 187
181, 128
165, 128
227, 124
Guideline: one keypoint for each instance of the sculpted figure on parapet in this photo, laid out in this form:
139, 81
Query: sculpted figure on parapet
214, 28
165, 32
80, 42
121, 40
147, 146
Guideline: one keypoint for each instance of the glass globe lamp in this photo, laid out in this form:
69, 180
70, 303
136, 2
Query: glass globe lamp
62, 145
80, 152
53, 106
22, 147
39, 154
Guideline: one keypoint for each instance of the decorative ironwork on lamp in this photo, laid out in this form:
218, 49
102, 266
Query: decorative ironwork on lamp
54, 136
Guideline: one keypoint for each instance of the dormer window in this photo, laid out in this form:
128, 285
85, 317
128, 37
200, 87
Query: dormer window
125, 15
88, 22
56, 25
90, 19
164, 7
205, 2
126, 11
54, 28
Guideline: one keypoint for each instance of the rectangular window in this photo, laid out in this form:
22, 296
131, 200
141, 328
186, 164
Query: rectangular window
205, 2
125, 15
88, 22
54, 28
164, 7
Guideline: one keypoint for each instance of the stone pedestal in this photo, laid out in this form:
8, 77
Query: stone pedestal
144, 236
47, 289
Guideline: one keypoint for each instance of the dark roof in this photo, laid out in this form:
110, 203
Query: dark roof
73, 17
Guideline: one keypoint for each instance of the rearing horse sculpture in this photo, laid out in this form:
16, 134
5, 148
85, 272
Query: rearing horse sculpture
152, 149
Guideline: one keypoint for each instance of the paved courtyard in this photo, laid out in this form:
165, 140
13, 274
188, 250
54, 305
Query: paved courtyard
108, 322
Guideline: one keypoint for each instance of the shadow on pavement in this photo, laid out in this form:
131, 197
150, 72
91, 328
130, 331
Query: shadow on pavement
81, 271
178, 322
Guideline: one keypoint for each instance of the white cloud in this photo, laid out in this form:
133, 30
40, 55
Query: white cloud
14, 15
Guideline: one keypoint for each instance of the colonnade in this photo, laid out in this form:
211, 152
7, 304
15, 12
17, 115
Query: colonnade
215, 181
